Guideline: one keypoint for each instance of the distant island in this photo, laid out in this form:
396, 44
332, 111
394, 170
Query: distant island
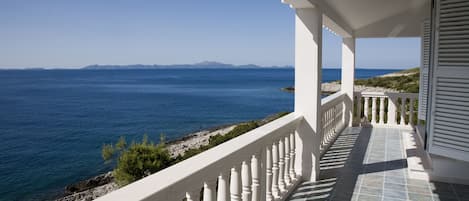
201, 65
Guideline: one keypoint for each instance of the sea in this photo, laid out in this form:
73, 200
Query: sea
53, 123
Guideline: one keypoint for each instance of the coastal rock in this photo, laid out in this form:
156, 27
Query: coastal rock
196, 140
90, 194
89, 183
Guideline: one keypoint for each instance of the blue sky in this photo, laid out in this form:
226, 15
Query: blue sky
57, 33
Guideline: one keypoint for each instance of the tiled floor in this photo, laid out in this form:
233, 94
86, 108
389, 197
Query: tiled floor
369, 164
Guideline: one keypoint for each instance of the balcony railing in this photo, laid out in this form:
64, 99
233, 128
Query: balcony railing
385, 109
259, 165
332, 110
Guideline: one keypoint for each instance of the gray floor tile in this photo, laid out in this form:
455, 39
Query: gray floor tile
419, 197
390, 193
363, 197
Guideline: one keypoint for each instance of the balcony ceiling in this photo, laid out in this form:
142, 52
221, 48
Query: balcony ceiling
372, 18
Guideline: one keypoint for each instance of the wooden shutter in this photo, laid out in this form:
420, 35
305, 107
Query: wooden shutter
424, 70
449, 126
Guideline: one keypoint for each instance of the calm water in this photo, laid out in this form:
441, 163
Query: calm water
53, 123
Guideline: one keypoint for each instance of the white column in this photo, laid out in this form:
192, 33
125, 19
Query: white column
308, 52
348, 77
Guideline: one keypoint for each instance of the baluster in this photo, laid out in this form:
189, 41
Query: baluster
268, 169
392, 110
235, 185
411, 111
381, 110
403, 100
287, 161
292, 156
366, 109
359, 107
222, 194
193, 195
275, 186
246, 181
255, 188
373, 110
281, 164
209, 191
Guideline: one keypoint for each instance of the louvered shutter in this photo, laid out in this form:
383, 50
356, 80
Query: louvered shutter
424, 70
449, 128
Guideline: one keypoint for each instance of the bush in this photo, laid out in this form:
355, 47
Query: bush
137, 161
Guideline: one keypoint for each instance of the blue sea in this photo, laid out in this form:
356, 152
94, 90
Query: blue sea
53, 123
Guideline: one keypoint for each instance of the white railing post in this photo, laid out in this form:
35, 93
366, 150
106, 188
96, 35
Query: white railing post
269, 173
281, 164
246, 181
403, 111
381, 110
235, 193
275, 169
292, 156
222, 191
411, 111
366, 109
286, 174
255, 188
193, 195
392, 103
373, 110
209, 190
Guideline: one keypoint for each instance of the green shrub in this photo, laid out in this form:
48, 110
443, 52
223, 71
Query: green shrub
138, 160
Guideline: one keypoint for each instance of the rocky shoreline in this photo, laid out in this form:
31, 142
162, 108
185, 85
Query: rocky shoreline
332, 87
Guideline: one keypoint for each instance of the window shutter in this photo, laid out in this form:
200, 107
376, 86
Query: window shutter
449, 126
424, 70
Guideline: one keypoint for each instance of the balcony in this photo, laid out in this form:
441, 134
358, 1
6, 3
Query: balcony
367, 162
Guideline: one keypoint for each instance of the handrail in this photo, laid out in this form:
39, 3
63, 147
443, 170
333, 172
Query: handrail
333, 99
189, 176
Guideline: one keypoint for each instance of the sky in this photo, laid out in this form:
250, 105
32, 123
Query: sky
72, 34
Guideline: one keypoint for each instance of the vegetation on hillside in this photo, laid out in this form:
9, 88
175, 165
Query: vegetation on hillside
141, 159
408, 82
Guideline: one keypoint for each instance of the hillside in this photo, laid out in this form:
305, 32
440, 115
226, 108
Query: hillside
403, 81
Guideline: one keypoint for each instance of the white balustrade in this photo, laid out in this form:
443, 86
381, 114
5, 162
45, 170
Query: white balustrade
258, 165
332, 108
395, 109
